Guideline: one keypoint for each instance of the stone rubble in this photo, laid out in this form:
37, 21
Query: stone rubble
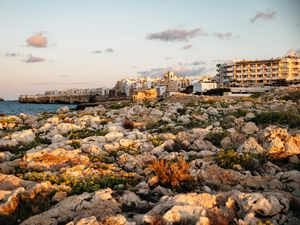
96, 166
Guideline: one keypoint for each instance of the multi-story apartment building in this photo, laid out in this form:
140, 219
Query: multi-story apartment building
247, 73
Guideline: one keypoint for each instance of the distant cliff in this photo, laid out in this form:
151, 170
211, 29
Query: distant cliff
69, 99
72, 99
1, 99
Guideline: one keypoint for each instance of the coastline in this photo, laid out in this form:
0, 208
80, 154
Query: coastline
167, 161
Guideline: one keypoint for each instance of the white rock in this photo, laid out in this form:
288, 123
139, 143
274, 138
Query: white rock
114, 136
249, 128
250, 145
64, 109
24, 136
156, 112
67, 127
212, 111
58, 138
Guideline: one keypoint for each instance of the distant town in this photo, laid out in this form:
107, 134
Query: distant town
233, 78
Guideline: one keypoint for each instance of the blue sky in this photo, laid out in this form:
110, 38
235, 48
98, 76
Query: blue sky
93, 43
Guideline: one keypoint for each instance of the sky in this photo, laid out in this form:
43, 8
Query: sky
49, 45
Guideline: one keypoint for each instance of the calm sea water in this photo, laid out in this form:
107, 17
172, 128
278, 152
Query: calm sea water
15, 108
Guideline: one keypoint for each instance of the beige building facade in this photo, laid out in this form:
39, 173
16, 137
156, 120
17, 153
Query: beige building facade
247, 73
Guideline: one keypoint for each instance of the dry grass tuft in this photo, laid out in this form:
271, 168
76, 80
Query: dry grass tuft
172, 173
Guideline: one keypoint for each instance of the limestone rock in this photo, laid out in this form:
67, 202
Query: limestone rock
100, 204
250, 146
25, 136
249, 128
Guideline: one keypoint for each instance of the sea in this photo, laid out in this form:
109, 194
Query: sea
15, 108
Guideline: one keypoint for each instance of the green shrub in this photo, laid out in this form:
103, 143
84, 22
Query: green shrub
118, 105
256, 95
240, 113
79, 134
216, 137
194, 124
229, 159
278, 117
156, 141
293, 96
89, 183
172, 173
23, 147
75, 144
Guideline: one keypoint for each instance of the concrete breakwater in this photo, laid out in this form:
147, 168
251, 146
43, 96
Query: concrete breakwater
72, 99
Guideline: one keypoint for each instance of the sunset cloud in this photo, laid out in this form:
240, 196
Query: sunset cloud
263, 15
97, 52
38, 40
181, 70
227, 35
186, 47
12, 54
173, 35
197, 62
34, 59
110, 50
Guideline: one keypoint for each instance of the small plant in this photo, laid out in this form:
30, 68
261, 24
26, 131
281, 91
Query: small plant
240, 113
293, 96
278, 117
128, 125
172, 173
216, 137
191, 104
265, 222
182, 111
21, 148
119, 105
256, 95
156, 141
89, 183
131, 149
79, 134
75, 144
194, 124
229, 159
156, 125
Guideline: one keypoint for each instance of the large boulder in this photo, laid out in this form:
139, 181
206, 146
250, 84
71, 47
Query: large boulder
279, 143
250, 146
99, 204
249, 128
52, 159
25, 136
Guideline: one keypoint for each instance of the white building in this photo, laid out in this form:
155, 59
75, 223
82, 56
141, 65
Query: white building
249, 73
204, 85
161, 90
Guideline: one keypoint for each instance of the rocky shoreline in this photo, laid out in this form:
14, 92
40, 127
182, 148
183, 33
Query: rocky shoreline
67, 99
184, 160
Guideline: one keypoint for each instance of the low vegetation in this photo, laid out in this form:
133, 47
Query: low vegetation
293, 96
23, 147
230, 159
172, 173
88, 183
79, 134
291, 119
156, 141
216, 137
118, 105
